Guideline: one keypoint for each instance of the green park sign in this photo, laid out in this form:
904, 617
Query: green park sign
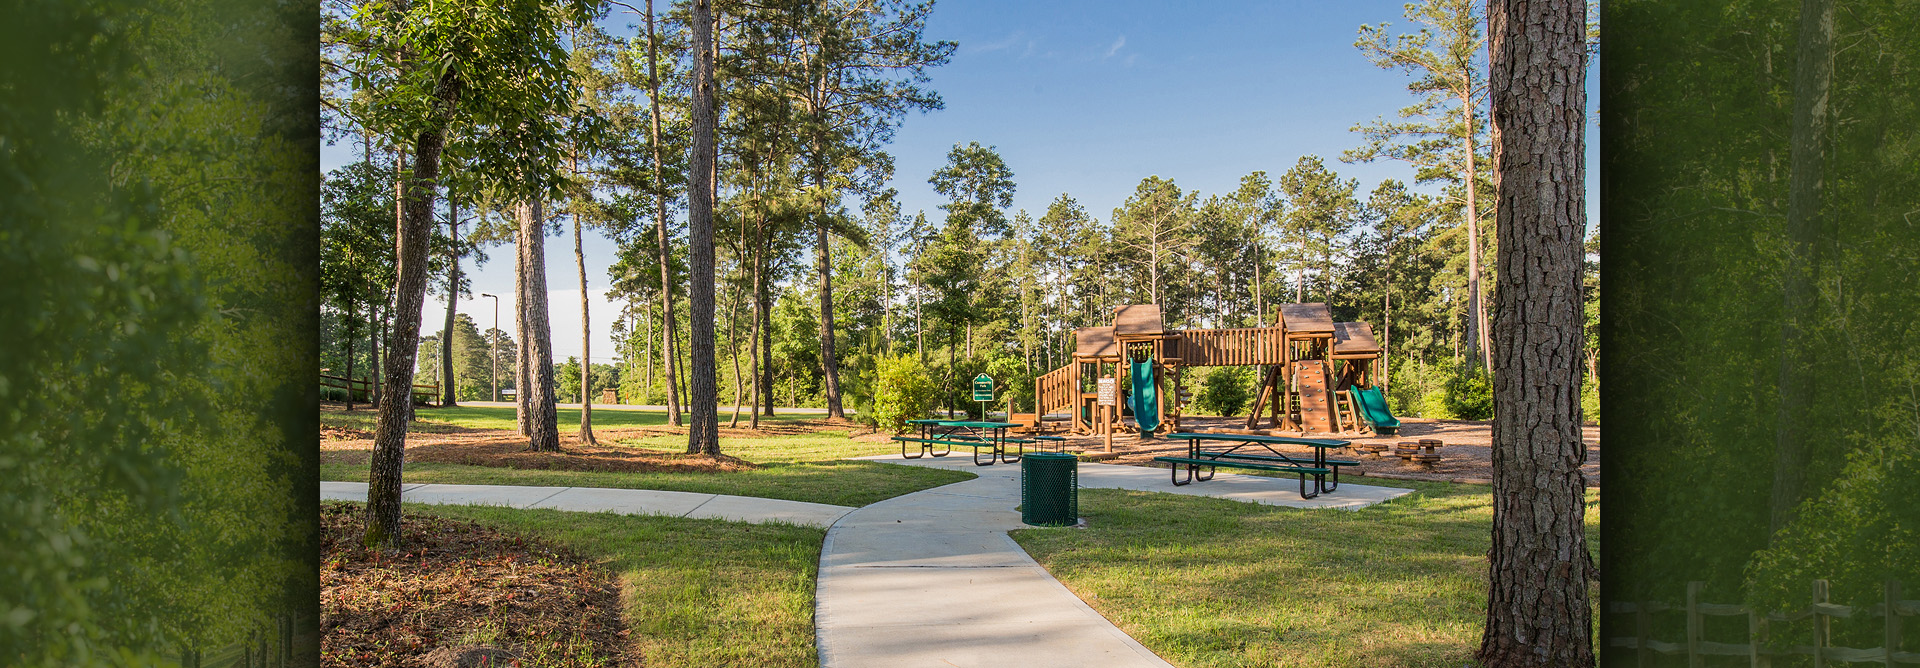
982, 388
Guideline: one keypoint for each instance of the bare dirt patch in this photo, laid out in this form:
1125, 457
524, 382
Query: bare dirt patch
461, 588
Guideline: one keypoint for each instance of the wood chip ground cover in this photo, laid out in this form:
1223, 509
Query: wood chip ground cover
458, 584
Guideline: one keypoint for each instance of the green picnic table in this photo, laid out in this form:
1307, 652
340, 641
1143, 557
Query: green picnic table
964, 433
1318, 466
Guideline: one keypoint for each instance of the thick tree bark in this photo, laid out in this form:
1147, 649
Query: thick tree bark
1812, 80
447, 397
668, 329
703, 436
410, 257
586, 343
543, 428
1538, 567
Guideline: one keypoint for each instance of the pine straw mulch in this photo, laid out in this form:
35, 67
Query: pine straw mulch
458, 588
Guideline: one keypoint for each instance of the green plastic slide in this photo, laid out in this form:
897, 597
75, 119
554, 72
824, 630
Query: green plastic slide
1141, 397
1373, 405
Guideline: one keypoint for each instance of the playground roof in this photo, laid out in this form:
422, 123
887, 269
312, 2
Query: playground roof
1354, 338
1306, 319
1095, 342
1137, 319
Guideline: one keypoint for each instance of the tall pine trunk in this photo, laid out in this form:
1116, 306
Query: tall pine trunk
1478, 342
521, 370
1812, 80
703, 435
1539, 568
586, 342
410, 259
447, 398
543, 428
667, 352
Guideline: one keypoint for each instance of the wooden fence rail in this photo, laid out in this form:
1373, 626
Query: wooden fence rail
426, 393
1232, 347
1757, 650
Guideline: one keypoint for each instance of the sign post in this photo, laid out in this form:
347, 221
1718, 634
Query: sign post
1108, 388
983, 392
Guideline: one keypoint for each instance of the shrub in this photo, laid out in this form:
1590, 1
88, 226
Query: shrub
1470, 393
1225, 391
904, 391
1419, 390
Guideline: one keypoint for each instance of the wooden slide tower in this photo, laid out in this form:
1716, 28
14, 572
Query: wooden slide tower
1307, 360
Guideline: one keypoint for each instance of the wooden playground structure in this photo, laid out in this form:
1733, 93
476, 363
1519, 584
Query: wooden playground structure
1309, 364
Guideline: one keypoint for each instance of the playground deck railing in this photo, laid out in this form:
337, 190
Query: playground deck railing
1058, 390
1232, 347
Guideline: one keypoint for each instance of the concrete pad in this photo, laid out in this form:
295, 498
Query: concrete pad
591, 499
1263, 490
941, 596
510, 496
881, 547
750, 509
625, 501
988, 645
334, 490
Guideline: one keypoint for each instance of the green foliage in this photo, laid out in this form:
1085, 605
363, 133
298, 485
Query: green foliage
1419, 389
1470, 393
1226, 390
158, 325
904, 391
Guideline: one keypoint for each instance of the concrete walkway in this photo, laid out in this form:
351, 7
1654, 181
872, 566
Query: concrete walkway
593, 499
931, 578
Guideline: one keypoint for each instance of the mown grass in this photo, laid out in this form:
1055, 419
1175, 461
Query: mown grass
841, 483
488, 417
803, 467
1215, 583
694, 592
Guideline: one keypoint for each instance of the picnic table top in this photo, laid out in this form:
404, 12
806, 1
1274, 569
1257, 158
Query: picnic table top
1256, 438
976, 424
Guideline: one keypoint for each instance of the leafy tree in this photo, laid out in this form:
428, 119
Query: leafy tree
1156, 225
1441, 135
1321, 212
904, 390
493, 76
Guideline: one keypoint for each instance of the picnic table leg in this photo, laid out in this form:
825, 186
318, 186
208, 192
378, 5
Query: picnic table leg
903, 451
1303, 487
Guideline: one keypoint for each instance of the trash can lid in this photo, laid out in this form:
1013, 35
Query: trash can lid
1051, 455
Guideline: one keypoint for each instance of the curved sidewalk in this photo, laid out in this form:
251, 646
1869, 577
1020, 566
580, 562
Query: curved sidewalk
597, 499
932, 579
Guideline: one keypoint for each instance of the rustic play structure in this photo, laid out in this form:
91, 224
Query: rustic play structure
1317, 376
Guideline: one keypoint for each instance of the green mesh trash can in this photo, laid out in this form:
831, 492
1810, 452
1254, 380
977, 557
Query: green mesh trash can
1050, 489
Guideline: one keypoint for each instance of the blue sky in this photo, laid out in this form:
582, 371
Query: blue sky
1088, 98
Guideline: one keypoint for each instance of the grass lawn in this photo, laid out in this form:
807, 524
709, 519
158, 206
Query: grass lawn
485, 417
694, 592
1214, 583
800, 467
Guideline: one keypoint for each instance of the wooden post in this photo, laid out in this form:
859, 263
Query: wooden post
1758, 656
1643, 632
1822, 624
1694, 658
1891, 590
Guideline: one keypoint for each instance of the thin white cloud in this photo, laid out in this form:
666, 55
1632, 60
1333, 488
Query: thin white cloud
1009, 42
1116, 46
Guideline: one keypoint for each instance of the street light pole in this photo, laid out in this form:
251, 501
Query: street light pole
493, 347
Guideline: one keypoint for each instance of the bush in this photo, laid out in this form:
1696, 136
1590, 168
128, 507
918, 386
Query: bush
904, 391
1470, 393
1590, 400
1419, 390
1225, 391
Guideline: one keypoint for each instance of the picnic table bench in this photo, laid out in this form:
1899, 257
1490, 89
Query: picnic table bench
1319, 466
966, 434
